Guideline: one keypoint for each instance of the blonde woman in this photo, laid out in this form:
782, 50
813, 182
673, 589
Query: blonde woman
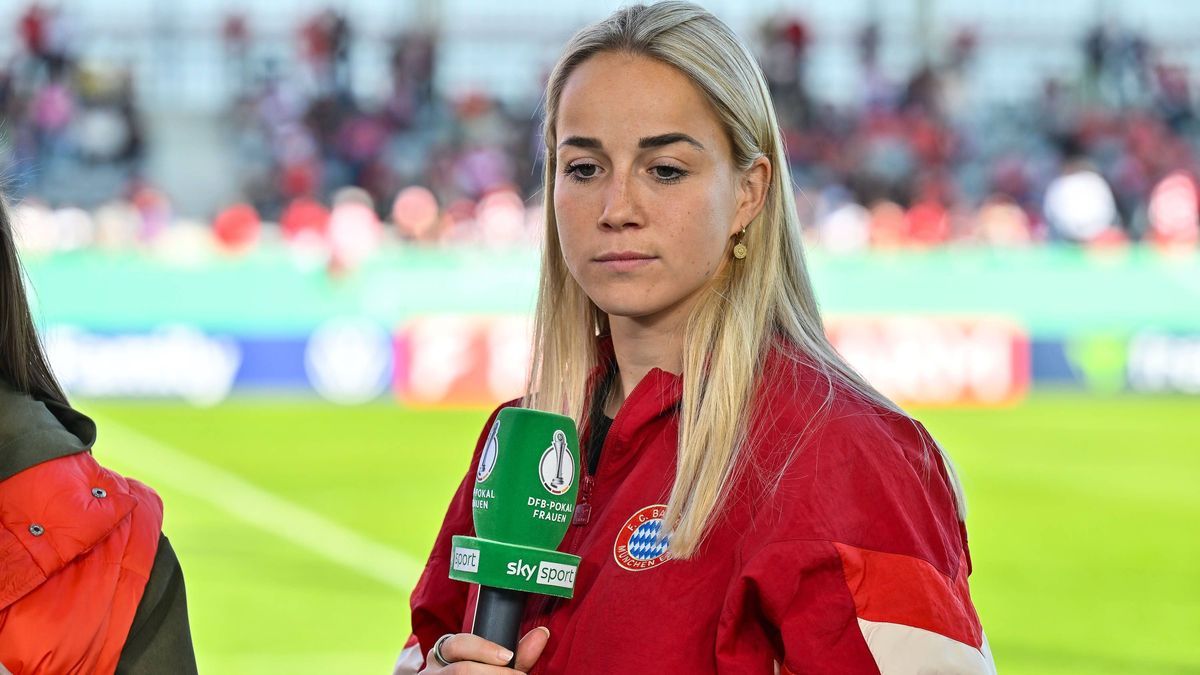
749, 503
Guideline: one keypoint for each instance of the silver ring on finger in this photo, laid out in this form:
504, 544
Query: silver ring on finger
437, 649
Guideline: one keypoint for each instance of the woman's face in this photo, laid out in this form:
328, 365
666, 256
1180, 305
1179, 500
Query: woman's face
647, 196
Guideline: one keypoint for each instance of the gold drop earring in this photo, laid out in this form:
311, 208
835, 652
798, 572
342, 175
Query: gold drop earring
740, 250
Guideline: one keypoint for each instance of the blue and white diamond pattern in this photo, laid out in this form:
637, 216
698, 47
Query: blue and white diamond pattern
645, 543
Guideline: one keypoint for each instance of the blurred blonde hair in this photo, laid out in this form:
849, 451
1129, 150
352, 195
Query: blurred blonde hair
749, 305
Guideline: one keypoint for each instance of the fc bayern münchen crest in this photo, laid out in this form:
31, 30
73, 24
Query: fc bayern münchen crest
639, 545
487, 460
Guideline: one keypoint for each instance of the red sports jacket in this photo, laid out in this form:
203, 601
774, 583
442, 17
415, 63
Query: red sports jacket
856, 563
77, 543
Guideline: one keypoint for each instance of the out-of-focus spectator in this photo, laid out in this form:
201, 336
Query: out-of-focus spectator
1002, 223
237, 228
235, 41
1080, 206
325, 38
1175, 212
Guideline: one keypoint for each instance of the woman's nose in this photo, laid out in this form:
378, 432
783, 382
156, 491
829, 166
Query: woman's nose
620, 205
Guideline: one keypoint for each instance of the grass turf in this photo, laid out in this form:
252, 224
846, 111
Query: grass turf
1084, 520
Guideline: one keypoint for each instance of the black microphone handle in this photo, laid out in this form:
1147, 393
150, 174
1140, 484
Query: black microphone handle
498, 617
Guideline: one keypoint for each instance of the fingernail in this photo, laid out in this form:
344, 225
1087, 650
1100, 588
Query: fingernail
505, 655
545, 629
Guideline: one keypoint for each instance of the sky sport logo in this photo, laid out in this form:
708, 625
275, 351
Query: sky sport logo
639, 545
465, 559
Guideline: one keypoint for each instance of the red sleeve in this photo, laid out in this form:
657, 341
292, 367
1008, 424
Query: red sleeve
439, 603
799, 593
866, 570
833, 608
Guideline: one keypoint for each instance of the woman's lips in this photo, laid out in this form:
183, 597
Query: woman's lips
624, 261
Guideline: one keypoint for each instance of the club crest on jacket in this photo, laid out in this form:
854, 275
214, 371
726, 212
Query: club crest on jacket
640, 544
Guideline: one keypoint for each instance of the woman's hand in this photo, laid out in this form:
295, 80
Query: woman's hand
472, 655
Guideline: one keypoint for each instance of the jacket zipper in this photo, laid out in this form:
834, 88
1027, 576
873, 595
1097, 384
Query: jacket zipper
583, 513
583, 510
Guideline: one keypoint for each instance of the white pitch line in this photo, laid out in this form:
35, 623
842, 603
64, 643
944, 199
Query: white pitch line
175, 469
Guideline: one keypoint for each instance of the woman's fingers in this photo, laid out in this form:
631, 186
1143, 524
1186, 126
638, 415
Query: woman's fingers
530, 648
468, 647
466, 653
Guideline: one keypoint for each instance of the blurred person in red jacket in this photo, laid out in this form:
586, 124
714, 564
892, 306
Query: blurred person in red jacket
748, 503
88, 583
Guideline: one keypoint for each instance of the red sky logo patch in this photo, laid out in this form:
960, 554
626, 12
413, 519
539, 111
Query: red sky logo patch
638, 545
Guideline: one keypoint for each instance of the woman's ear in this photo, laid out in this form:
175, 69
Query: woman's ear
753, 185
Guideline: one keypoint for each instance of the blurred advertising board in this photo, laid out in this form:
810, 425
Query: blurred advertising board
479, 360
1163, 363
928, 360
1145, 362
462, 360
344, 360
450, 327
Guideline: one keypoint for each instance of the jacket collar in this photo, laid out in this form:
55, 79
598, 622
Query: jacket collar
656, 395
33, 431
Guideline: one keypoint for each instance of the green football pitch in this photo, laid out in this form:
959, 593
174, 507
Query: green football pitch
301, 525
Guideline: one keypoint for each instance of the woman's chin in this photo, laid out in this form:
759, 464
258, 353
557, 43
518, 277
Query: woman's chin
643, 310
641, 314
626, 309
623, 311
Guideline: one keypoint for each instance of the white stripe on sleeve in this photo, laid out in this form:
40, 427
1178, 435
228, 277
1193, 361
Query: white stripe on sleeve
410, 662
905, 650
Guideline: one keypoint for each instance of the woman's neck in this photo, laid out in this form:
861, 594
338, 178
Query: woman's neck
640, 348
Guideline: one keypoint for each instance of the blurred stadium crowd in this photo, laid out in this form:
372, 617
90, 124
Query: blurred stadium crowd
1106, 158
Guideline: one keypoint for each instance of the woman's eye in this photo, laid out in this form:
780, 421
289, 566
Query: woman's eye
668, 174
581, 171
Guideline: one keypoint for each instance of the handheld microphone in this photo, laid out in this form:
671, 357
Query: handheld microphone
522, 503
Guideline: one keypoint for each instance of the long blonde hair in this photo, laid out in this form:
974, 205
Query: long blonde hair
747, 306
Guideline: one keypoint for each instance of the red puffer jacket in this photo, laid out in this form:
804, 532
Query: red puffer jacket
77, 543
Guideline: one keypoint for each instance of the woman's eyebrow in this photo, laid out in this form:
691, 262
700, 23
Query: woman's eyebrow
582, 142
667, 139
643, 143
